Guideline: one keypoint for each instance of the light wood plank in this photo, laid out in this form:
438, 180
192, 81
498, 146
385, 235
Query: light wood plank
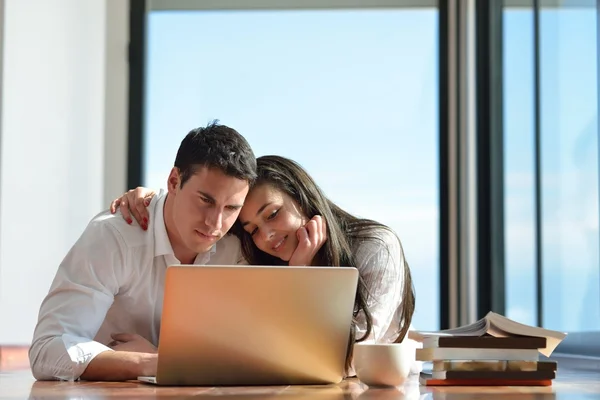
576, 378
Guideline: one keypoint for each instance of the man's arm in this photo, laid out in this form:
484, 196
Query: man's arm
120, 366
73, 311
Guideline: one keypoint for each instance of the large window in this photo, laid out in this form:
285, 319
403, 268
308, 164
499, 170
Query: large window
561, 89
351, 94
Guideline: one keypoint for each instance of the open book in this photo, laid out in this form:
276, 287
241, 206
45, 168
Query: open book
496, 325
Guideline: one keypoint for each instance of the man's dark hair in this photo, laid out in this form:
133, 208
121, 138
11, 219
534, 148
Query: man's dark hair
216, 146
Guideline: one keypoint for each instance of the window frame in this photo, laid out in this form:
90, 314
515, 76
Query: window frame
139, 10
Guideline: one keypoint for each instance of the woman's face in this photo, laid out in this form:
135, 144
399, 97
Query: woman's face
272, 218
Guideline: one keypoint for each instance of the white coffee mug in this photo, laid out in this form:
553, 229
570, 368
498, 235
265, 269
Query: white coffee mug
383, 364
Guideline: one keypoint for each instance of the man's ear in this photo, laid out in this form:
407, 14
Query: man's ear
173, 181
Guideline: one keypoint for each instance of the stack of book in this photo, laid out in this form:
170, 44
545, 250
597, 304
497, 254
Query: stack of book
494, 351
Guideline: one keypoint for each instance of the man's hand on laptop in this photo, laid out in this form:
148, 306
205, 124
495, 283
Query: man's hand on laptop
131, 342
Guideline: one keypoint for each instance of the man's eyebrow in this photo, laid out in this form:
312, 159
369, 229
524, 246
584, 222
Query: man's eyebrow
208, 196
258, 212
212, 200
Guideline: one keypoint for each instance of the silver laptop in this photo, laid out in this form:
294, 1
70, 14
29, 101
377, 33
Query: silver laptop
254, 325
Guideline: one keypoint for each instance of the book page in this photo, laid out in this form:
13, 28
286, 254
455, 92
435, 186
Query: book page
477, 328
502, 326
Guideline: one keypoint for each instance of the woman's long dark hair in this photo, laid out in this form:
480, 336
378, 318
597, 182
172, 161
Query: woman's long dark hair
344, 231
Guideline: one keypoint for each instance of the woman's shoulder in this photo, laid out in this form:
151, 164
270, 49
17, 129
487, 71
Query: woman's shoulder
377, 237
378, 240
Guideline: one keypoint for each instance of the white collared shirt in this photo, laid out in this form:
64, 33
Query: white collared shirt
111, 281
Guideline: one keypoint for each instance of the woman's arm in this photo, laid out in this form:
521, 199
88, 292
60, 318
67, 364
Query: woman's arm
381, 264
134, 202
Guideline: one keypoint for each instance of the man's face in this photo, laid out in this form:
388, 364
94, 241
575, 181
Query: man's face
206, 207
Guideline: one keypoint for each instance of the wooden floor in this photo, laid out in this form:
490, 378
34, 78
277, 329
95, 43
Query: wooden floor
577, 379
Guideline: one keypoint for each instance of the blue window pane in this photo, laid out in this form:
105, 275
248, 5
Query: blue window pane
569, 128
350, 94
519, 189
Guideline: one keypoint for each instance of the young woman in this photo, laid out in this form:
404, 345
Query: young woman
287, 220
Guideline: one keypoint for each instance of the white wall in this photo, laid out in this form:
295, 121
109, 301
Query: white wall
63, 140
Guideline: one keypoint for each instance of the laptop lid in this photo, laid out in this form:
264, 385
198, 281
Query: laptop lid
255, 325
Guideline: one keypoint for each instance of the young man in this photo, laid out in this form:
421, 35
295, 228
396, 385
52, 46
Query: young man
101, 317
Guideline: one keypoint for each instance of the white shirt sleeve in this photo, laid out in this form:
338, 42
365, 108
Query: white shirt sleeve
381, 266
71, 314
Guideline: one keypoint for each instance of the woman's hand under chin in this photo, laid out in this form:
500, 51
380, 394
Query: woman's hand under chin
310, 239
134, 202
